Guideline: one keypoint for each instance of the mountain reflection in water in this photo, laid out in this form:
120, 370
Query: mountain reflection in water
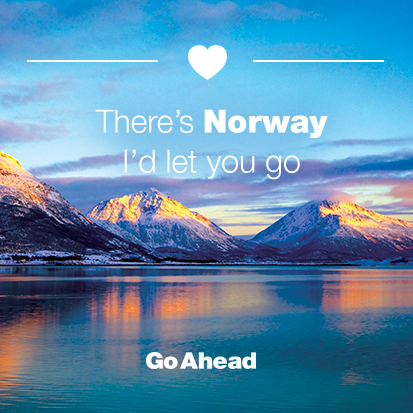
327, 339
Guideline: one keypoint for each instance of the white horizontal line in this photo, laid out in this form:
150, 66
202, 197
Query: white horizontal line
92, 61
318, 61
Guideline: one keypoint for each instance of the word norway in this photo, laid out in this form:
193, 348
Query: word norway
238, 124
155, 361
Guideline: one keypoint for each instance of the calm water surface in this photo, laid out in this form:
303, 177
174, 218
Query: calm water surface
327, 339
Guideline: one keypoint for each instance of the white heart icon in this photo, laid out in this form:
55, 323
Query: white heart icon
207, 62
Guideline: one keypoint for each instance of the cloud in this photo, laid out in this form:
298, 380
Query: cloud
72, 8
40, 27
397, 163
40, 91
403, 190
39, 18
237, 224
273, 10
194, 13
366, 142
82, 164
400, 161
85, 193
12, 132
403, 207
315, 180
270, 210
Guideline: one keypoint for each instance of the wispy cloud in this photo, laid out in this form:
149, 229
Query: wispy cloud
237, 224
272, 10
11, 132
403, 191
270, 210
195, 13
17, 95
399, 161
366, 142
82, 164
40, 26
315, 180
394, 208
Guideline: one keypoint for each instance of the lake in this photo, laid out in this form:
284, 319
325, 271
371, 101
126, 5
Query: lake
328, 339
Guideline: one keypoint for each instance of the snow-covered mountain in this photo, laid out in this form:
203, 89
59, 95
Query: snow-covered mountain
36, 217
169, 227
337, 231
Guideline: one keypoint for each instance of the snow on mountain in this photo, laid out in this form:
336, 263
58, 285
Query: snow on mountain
34, 216
167, 226
338, 230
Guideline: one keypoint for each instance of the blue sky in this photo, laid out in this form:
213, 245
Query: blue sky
48, 120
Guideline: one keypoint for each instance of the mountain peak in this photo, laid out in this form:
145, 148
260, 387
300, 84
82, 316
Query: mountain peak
154, 191
20, 187
151, 195
143, 205
330, 202
8, 159
357, 216
169, 227
338, 226
161, 222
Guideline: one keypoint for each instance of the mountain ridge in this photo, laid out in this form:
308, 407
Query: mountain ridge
169, 227
151, 226
338, 229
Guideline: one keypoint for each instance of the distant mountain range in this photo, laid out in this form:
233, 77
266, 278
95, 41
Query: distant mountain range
150, 226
